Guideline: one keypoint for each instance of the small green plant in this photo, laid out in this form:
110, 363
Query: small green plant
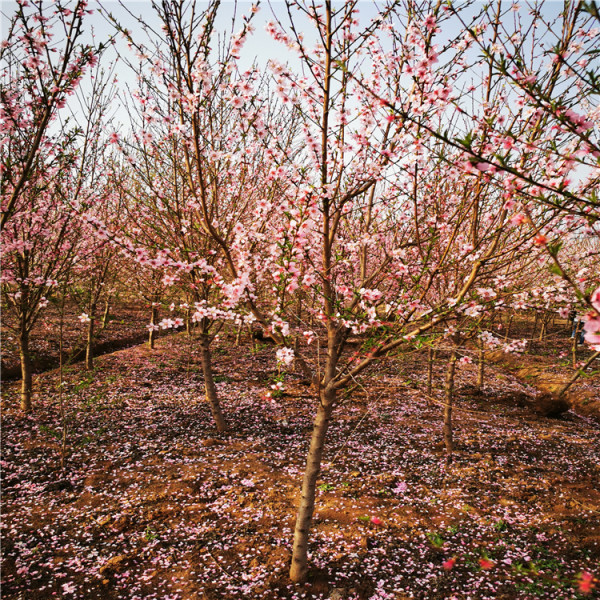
435, 539
92, 401
150, 535
519, 568
370, 344
84, 383
277, 387
51, 432
85, 440
500, 525
326, 487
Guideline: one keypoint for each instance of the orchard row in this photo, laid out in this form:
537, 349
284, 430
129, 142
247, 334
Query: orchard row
404, 178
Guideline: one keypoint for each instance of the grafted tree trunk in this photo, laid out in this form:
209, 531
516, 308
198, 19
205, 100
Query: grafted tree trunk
26, 379
209, 385
447, 430
299, 566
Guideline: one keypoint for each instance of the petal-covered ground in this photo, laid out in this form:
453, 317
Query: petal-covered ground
152, 503
125, 325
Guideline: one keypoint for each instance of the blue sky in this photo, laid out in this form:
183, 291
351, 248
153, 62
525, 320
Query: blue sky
259, 48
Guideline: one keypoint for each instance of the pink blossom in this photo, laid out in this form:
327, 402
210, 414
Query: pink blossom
285, 356
595, 299
449, 564
586, 582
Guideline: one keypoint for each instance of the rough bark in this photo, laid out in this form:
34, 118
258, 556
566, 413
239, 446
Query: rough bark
299, 565
209, 385
26, 379
447, 430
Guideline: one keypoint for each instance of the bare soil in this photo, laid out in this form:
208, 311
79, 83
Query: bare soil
152, 503
126, 326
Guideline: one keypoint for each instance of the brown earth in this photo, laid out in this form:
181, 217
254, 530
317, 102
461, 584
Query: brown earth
153, 503
125, 327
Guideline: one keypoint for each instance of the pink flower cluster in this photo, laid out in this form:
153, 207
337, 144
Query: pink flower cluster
592, 322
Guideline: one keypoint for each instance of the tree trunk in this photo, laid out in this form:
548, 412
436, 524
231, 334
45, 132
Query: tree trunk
151, 332
188, 322
299, 565
545, 320
577, 375
430, 359
535, 322
26, 405
510, 319
106, 314
61, 400
448, 405
238, 336
575, 344
209, 385
481, 366
89, 344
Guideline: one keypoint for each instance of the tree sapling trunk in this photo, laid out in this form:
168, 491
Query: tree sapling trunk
510, 320
209, 385
299, 565
480, 365
106, 314
447, 430
430, 360
89, 344
26, 377
151, 331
